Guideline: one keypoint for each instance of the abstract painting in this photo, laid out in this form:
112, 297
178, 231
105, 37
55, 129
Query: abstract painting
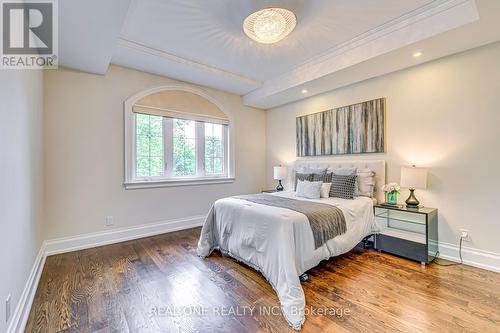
353, 129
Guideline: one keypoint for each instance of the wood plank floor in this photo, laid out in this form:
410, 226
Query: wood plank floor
152, 284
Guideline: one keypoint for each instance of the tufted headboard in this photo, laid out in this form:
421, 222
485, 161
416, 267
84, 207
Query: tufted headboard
378, 166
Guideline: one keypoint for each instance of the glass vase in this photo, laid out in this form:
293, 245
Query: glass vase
392, 198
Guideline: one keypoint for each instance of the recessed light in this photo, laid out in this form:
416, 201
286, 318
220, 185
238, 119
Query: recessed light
269, 25
418, 54
304, 91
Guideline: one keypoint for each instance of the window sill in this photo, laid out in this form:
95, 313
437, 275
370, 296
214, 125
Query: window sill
176, 183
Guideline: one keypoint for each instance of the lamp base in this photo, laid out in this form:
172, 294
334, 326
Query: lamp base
412, 201
279, 188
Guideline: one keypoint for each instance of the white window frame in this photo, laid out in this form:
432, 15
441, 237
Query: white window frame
167, 180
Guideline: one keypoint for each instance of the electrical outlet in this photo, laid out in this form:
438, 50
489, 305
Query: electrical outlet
109, 221
465, 235
7, 309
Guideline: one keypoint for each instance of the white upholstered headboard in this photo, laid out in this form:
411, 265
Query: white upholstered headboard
378, 166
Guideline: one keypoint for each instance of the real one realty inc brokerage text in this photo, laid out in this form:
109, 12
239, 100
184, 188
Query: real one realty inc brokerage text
200, 311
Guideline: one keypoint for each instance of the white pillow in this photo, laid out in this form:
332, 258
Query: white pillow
366, 182
309, 190
310, 170
325, 190
345, 171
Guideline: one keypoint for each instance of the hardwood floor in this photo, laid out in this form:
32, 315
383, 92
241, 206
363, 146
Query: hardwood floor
151, 284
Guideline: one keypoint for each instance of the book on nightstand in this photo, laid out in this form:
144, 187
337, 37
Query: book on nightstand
391, 205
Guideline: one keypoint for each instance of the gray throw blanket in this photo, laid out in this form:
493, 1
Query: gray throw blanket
326, 221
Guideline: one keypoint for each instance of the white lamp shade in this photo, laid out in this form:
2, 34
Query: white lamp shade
279, 173
412, 177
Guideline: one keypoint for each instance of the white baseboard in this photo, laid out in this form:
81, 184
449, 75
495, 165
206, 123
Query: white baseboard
471, 256
22, 311
86, 241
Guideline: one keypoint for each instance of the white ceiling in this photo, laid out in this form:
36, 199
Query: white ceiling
202, 41
210, 32
88, 30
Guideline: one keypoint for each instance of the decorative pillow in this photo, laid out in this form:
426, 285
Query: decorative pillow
323, 177
345, 171
325, 190
348, 172
343, 186
309, 190
366, 182
310, 170
303, 176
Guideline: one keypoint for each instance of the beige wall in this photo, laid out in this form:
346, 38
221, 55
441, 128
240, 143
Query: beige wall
84, 155
443, 115
21, 186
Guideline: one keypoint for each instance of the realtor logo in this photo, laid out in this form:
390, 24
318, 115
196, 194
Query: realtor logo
29, 34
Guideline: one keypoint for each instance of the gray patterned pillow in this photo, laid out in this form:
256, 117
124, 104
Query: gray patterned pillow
343, 186
348, 172
323, 177
303, 176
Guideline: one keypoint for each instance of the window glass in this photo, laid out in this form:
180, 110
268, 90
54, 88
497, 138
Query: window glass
149, 146
175, 148
214, 149
184, 147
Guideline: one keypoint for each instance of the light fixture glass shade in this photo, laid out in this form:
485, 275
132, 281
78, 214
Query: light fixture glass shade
279, 173
269, 25
412, 177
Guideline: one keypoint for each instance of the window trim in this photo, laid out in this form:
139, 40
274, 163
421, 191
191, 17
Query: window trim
131, 182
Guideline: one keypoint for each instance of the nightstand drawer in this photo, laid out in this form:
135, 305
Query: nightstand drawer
402, 247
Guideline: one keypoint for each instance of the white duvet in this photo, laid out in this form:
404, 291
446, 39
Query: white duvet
279, 242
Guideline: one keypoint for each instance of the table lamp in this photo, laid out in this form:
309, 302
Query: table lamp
413, 178
279, 175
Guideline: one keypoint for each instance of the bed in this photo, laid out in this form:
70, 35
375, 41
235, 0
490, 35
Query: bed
279, 242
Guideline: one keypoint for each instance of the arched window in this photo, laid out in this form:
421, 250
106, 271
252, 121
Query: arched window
176, 136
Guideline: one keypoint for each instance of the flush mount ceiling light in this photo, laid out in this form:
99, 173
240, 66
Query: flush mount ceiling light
269, 25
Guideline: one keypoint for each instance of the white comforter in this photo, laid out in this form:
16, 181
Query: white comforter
279, 242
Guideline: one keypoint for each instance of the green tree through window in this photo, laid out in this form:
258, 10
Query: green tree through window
172, 148
213, 149
184, 147
149, 145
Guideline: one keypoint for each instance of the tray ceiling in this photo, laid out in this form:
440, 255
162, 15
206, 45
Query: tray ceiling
203, 42
210, 32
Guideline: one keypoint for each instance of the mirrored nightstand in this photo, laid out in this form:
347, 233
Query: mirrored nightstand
406, 232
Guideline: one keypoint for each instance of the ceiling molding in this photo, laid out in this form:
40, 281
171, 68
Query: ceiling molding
399, 23
186, 62
219, 56
428, 21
